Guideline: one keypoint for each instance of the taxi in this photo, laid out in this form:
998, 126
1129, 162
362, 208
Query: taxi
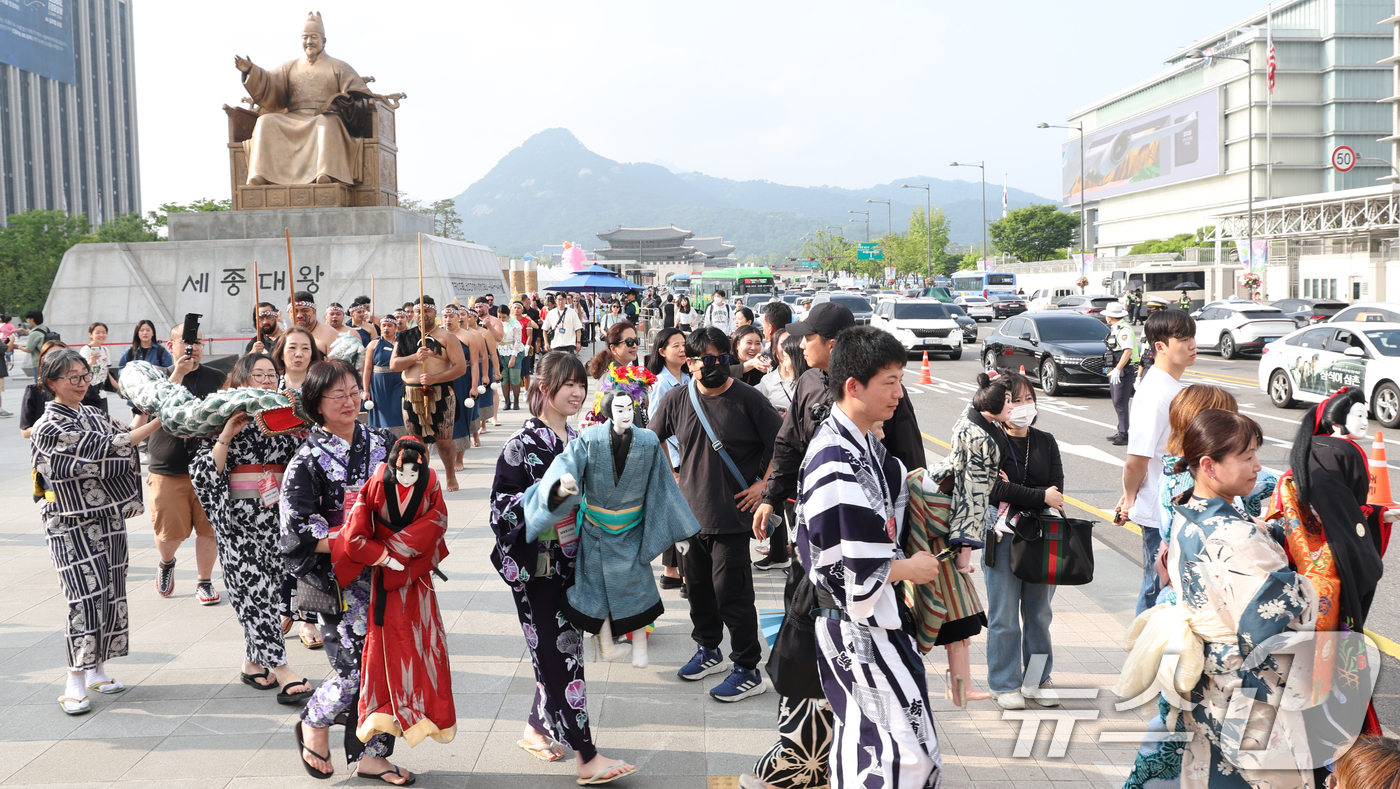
1313, 362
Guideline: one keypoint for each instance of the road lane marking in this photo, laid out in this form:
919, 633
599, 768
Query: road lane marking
1386, 645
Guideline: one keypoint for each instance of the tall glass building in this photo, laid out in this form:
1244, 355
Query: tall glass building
68, 108
1165, 154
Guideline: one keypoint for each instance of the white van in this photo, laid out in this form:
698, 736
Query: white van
1046, 298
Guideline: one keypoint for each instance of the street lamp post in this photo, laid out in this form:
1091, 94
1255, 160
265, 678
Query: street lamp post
889, 216
867, 222
986, 251
1248, 61
928, 228
1083, 214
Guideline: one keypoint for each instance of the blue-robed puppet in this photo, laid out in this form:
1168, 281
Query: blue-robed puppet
612, 490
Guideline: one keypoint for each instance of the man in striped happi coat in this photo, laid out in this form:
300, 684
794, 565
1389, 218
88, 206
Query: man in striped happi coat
851, 500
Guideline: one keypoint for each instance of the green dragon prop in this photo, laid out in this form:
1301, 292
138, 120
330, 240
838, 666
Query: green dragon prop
184, 415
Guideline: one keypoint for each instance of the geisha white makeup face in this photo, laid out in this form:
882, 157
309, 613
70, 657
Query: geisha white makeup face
621, 412
1356, 423
407, 474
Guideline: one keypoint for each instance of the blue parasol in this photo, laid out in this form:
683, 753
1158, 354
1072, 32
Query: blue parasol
593, 283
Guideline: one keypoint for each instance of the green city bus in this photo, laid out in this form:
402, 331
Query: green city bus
735, 281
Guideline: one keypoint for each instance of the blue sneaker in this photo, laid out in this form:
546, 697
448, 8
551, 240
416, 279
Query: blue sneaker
740, 684
704, 663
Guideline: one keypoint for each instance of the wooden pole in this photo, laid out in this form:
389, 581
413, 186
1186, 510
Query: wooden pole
257, 328
291, 280
422, 308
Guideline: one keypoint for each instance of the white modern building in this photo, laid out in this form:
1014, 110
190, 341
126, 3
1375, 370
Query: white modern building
1168, 154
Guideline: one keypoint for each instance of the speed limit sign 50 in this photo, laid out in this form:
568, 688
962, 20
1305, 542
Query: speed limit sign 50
1343, 158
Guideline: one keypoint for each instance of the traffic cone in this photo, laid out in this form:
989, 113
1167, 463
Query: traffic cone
1023, 369
1379, 493
925, 376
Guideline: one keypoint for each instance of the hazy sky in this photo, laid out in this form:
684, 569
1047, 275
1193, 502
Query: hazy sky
808, 93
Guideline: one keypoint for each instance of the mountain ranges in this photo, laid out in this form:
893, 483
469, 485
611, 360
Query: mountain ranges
553, 189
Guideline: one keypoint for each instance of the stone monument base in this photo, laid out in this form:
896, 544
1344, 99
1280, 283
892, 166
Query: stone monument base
208, 268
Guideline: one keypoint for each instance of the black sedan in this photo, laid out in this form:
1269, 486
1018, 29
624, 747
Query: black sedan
1007, 304
1057, 350
966, 322
1308, 311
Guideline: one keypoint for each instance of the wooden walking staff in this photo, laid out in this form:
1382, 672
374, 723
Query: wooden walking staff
423, 405
291, 281
257, 326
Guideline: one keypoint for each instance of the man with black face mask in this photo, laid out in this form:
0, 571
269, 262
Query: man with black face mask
723, 494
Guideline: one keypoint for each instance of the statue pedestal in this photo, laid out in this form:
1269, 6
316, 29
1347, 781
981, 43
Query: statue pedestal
247, 198
207, 267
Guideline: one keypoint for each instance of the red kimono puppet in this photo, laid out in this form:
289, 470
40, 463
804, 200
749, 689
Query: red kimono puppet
397, 528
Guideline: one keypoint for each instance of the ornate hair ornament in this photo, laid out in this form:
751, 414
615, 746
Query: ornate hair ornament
1322, 407
632, 380
310, 304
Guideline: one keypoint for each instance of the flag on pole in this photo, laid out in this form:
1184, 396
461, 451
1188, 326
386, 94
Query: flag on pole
1273, 63
1004, 202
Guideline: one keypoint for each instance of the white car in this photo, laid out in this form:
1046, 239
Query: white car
1047, 298
921, 325
977, 308
1245, 327
1311, 363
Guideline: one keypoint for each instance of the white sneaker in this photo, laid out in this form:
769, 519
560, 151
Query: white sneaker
1011, 700
1046, 695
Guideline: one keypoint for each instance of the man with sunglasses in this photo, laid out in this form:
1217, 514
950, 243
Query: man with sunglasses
268, 331
719, 576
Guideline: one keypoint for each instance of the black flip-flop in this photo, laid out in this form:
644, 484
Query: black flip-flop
283, 697
379, 777
301, 745
252, 680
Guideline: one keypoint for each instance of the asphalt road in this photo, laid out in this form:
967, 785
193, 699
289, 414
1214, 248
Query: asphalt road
1081, 422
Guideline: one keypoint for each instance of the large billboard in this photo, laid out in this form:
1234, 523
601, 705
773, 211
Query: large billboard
1176, 143
37, 36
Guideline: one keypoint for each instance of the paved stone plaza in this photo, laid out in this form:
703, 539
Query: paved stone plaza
187, 721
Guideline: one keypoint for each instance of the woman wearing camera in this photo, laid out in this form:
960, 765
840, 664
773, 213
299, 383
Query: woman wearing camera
1019, 613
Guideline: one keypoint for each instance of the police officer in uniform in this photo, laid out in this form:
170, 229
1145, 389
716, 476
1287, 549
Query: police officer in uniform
1135, 307
1185, 301
1122, 375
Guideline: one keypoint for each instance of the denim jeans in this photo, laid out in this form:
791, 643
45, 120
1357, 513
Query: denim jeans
1151, 584
1018, 622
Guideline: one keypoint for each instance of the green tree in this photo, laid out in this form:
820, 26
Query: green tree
31, 248
158, 217
127, 228
447, 223
1176, 244
1033, 232
833, 252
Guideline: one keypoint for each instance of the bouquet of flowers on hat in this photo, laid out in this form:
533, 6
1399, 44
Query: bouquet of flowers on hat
1251, 280
633, 379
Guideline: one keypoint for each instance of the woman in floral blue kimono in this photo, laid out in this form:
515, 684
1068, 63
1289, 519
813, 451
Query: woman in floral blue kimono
1235, 591
320, 486
540, 571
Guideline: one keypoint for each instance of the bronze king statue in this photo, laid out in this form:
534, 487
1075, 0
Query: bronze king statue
311, 111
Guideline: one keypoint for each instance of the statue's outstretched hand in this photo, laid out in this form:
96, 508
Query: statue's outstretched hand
244, 64
568, 485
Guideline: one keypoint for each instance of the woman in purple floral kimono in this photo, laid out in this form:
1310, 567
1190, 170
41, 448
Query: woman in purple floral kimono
539, 573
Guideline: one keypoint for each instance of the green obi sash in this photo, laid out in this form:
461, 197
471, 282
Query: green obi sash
610, 521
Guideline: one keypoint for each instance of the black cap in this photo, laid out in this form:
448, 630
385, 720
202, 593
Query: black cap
826, 319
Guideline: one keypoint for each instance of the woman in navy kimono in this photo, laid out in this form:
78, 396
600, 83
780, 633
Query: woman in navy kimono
320, 486
539, 571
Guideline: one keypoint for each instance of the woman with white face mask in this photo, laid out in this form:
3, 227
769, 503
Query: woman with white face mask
1019, 613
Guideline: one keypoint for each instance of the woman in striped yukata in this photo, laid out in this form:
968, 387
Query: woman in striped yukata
89, 482
851, 501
